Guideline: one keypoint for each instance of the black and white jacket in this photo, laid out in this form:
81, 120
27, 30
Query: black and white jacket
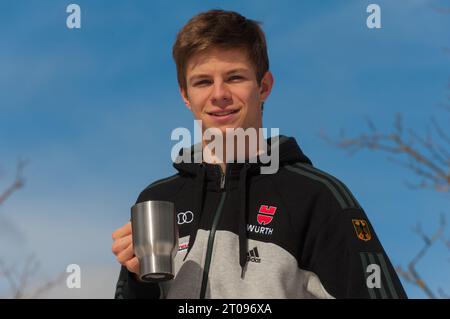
298, 233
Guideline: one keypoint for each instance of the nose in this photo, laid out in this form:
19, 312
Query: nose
221, 95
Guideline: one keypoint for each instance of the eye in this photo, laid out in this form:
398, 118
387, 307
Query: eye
235, 77
202, 82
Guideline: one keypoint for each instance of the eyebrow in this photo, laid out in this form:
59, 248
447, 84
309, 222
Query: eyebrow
203, 75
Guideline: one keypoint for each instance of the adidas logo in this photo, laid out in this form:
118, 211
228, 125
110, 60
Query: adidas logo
253, 255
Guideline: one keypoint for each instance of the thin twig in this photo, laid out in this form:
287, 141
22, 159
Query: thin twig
50, 284
18, 182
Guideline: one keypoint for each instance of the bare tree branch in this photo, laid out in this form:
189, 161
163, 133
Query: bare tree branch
19, 279
428, 160
431, 147
18, 182
440, 132
50, 284
411, 275
7, 273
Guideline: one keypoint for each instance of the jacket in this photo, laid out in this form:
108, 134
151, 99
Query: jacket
298, 233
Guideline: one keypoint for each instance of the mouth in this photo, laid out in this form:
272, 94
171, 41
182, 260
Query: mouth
222, 114
223, 117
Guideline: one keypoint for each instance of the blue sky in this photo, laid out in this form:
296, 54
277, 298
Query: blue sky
93, 109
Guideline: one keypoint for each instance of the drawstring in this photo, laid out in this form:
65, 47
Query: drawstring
200, 183
243, 218
242, 225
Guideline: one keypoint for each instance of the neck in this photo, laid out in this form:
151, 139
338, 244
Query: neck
241, 146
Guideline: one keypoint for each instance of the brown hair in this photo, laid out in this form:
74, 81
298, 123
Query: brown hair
223, 29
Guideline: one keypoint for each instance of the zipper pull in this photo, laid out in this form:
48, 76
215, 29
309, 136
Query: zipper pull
222, 180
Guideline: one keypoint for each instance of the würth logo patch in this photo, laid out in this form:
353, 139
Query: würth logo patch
265, 214
253, 255
362, 229
264, 217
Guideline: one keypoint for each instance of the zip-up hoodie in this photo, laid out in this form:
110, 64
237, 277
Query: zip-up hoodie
297, 233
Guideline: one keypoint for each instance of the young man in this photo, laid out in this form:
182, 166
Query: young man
296, 233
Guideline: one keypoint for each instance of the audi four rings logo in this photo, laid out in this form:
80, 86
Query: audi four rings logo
185, 217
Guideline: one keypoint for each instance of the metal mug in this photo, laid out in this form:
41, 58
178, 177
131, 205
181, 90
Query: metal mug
155, 239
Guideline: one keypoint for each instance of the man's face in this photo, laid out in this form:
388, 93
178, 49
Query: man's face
222, 89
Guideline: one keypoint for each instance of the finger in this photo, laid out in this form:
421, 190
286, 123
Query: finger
121, 243
122, 231
125, 255
133, 265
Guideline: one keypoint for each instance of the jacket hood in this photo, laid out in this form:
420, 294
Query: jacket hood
289, 152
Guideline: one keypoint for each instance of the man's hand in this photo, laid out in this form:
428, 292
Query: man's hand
122, 247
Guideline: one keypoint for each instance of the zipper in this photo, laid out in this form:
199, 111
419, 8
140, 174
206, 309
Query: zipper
212, 233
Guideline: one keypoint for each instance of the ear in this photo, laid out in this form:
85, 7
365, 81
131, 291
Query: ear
266, 86
185, 98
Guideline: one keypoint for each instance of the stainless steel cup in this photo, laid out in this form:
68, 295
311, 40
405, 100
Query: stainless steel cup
155, 239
